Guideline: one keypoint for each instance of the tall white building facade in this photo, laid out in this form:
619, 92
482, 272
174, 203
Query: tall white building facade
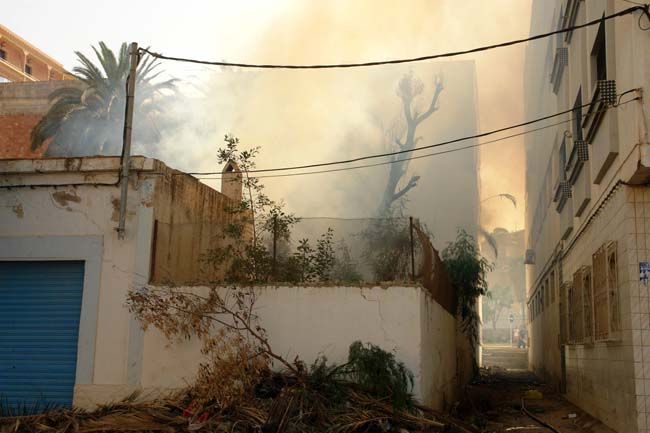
588, 208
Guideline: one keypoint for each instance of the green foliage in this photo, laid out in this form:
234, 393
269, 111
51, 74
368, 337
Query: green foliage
259, 260
371, 369
467, 270
88, 120
324, 258
378, 373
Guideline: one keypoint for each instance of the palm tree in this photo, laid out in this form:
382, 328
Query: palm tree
88, 119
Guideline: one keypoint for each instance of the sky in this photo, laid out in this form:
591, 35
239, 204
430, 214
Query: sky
304, 110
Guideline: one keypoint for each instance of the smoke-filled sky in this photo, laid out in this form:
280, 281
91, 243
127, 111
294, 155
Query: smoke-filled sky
303, 117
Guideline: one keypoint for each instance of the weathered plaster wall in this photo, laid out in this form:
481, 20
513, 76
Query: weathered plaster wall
189, 222
314, 321
75, 198
68, 212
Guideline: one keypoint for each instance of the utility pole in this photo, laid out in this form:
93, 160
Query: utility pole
126, 143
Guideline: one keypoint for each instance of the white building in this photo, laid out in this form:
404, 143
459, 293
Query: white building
588, 209
67, 337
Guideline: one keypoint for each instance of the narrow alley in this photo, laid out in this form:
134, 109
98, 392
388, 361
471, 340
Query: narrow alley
509, 400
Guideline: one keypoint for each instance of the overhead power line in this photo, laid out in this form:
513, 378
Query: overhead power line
645, 9
428, 155
414, 149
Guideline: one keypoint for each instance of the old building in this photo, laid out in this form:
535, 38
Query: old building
22, 61
27, 78
587, 199
68, 337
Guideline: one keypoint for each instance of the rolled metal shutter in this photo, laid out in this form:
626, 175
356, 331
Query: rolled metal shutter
40, 306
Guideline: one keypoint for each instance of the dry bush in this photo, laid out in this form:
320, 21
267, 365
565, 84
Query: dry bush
236, 348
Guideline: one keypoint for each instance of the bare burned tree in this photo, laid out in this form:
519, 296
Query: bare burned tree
404, 139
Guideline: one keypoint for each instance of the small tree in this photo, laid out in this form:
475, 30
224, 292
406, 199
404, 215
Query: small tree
467, 270
498, 299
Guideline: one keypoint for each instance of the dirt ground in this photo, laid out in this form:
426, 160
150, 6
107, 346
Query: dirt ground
495, 404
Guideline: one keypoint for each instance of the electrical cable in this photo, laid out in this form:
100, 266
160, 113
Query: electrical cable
414, 157
537, 419
644, 8
400, 152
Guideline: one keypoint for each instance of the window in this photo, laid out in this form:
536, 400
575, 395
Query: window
577, 118
28, 69
588, 305
601, 313
599, 56
570, 17
612, 286
552, 280
562, 159
561, 57
3, 54
546, 293
564, 314
576, 305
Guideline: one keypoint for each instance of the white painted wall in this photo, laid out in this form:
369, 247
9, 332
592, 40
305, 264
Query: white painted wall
313, 321
55, 223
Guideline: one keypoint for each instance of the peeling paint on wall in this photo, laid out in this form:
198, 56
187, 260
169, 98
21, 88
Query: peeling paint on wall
18, 210
64, 198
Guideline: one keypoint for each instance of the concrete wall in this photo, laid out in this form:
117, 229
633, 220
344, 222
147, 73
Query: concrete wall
189, 221
313, 321
59, 204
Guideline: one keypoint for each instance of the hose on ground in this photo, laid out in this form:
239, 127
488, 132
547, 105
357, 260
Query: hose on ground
533, 417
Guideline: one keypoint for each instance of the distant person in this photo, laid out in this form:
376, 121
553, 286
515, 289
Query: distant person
516, 337
522, 339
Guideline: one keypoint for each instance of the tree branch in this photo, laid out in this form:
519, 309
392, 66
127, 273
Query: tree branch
412, 183
433, 107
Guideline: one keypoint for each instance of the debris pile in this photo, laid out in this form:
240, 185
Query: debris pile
323, 398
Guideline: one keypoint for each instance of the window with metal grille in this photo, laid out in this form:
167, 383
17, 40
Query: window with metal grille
552, 287
612, 286
546, 292
588, 304
576, 317
564, 313
601, 298
3, 54
599, 56
28, 69
577, 118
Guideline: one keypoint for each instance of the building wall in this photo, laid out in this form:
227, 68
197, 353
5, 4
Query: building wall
22, 105
20, 54
85, 205
564, 231
68, 208
312, 321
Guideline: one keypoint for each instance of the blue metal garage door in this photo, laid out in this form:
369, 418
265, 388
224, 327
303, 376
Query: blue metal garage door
40, 306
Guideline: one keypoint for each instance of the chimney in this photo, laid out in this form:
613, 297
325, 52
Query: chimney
231, 181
